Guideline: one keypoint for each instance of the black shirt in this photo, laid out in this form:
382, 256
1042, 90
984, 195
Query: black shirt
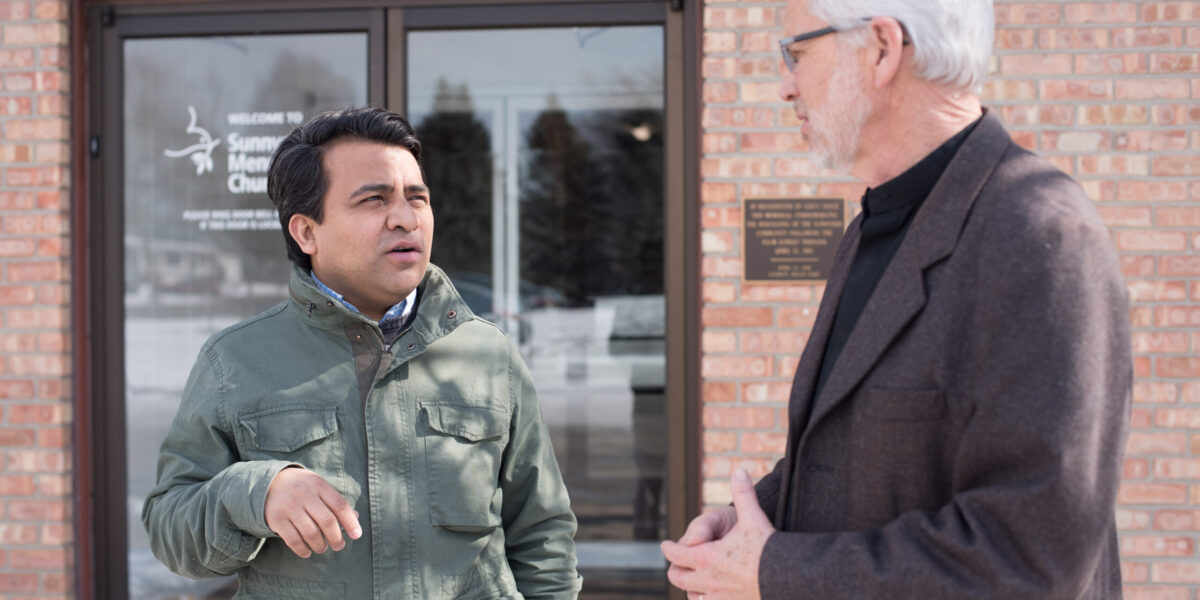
888, 210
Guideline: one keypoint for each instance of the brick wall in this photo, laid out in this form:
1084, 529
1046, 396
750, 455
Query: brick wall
35, 413
1108, 91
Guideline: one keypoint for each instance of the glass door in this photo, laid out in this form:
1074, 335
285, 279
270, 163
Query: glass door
194, 109
544, 152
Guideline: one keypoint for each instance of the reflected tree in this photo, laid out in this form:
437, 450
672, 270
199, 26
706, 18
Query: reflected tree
456, 150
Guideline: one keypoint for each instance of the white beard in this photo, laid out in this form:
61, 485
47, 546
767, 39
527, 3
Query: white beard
835, 129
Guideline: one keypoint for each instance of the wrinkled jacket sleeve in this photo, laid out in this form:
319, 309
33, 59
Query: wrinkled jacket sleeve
205, 515
539, 526
1036, 475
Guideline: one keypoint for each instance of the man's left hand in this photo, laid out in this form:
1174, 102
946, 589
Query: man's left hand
725, 568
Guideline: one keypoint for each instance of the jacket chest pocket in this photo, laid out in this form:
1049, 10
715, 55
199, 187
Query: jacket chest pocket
463, 450
306, 435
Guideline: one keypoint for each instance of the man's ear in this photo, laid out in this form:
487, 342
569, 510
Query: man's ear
886, 49
303, 231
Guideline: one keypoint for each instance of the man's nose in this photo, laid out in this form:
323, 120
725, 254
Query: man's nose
402, 216
787, 87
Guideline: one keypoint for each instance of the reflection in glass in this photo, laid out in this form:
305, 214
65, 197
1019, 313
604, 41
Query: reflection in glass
203, 246
544, 155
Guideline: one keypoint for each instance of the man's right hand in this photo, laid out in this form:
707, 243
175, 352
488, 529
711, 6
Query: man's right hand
306, 512
710, 526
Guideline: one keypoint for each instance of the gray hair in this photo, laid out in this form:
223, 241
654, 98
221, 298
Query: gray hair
952, 39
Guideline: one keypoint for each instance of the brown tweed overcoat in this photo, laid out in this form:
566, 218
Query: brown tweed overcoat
968, 442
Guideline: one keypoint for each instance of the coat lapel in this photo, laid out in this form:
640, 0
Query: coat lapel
900, 294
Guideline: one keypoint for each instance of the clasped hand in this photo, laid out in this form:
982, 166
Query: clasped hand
717, 557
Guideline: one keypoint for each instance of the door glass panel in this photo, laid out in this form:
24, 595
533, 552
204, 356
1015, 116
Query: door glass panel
543, 150
203, 246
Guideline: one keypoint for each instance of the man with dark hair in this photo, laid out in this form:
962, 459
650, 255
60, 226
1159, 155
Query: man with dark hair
371, 413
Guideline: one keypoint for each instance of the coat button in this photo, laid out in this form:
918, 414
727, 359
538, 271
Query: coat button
452, 314
328, 303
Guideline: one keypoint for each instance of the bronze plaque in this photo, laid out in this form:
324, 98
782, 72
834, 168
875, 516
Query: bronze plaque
791, 239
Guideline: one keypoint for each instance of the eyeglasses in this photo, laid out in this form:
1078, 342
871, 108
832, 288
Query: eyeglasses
790, 61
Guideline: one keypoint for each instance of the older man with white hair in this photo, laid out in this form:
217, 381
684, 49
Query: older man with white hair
957, 420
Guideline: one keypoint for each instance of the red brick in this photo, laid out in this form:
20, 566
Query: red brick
1177, 468
1141, 316
1049, 114
776, 293
1142, 140
1072, 38
1176, 165
719, 391
719, 42
715, 291
1137, 266
37, 461
1109, 64
767, 391
1153, 392
1169, 572
720, 92
716, 242
758, 42
41, 34
721, 217
719, 143
769, 141
1035, 64
16, 58
1156, 545
36, 318
721, 267
1101, 12
1076, 89
1147, 37
1152, 493
1151, 241
17, 485
1177, 520
1121, 114
18, 583
774, 342
1151, 191
717, 18
1041, 13
54, 485
716, 442
718, 192
37, 414
1135, 469
1009, 89
1154, 592
1176, 114
799, 317
737, 417
55, 437
1076, 141
1125, 216
38, 559
1132, 519
50, 10
1152, 89
776, 189
736, 366
739, 117
1134, 572
1025, 139
1141, 418
1174, 62
37, 510
718, 342
1170, 11
1177, 418
16, 200
772, 443
10, 436
735, 166
1014, 39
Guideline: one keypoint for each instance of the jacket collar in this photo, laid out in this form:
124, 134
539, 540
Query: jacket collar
439, 308
900, 294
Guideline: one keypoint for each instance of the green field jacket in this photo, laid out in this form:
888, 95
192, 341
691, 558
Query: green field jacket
436, 440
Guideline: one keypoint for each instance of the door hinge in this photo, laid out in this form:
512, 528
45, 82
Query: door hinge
108, 16
676, 5
94, 146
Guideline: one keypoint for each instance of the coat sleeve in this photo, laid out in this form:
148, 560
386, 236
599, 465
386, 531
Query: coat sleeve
539, 527
205, 515
1035, 477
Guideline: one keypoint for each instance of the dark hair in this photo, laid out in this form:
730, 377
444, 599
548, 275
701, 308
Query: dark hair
296, 179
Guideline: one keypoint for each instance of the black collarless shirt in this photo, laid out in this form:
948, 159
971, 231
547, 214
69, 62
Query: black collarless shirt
888, 210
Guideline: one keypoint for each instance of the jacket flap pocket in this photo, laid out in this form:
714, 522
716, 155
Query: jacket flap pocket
288, 429
468, 422
904, 405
